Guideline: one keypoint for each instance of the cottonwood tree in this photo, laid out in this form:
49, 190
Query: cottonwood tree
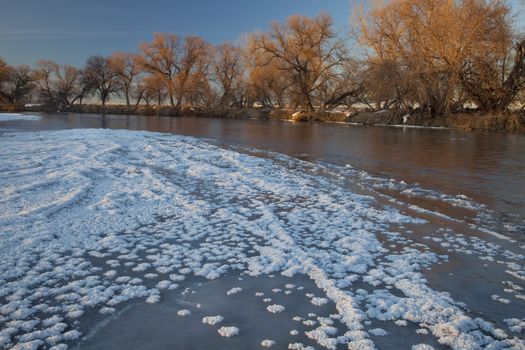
387, 85
101, 77
228, 72
308, 52
160, 58
194, 53
439, 46
5, 75
17, 83
69, 85
4, 70
154, 89
268, 84
57, 84
84, 88
44, 77
200, 88
494, 74
127, 67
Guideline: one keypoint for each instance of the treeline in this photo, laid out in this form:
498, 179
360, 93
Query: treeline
432, 56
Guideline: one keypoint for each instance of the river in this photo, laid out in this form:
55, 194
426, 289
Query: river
241, 234
484, 166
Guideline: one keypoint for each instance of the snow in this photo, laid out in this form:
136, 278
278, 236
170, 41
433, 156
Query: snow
267, 343
515, 324
234, 290
228, 331
299, 346
275, 308
422, 347
212, 320
7, 117
318, 301
92, 219
379, 332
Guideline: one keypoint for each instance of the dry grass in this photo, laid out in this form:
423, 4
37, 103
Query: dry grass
489, 122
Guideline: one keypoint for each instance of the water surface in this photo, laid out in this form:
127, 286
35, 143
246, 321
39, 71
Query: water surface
485, 166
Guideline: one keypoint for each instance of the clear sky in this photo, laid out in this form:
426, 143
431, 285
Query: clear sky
68, 31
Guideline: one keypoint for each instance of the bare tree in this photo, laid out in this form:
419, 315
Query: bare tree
154, 89
267, 82
68, 85
84, 88
17, 85
6, 72
193, 55
494, 73
308, 50
228, 72
200, 89
159, 57
441, 47
44, 77
58, 85
100, 76
126, 67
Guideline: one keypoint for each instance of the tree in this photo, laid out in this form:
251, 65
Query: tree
159, 57
126, 67
228, 72
193, 55
101, 77
267, 82
494, 74
440, 47
154, 89
68, 85
17, 85
6, 72
387, 85
308, 51
200, 90
57, 85
84, 88
44, 77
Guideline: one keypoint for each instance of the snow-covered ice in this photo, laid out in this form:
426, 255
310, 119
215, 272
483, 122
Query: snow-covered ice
184, 312
229, 331
275, 308
267, 343
234, 290
6, 117
91, 219
212, 320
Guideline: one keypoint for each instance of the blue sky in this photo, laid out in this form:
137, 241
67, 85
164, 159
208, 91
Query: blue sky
68, 31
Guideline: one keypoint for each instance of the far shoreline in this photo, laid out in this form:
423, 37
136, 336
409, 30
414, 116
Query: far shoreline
509, 122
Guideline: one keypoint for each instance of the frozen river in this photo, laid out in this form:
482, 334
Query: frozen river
181, 233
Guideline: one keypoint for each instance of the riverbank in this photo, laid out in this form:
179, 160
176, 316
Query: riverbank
504, 122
